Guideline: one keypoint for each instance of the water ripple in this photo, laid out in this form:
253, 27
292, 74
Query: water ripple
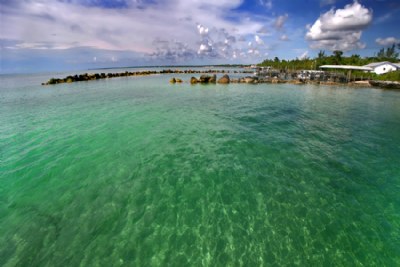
132, 173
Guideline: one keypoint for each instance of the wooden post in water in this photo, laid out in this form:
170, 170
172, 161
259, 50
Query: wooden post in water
349, 76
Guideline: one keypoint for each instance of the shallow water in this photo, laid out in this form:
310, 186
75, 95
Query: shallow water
138, 172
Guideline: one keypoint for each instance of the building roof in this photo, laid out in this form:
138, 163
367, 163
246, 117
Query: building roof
377, 64
346, 67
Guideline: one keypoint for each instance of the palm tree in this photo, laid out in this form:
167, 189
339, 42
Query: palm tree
321, 56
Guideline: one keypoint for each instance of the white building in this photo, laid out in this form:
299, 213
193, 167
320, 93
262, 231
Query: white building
383, 67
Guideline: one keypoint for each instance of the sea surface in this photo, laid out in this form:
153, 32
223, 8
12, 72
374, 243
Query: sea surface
135, 171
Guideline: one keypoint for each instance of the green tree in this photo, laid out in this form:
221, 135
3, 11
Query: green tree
321, 54
388, 54
320, 59
354, 59
338, 56
391, 52
381, 53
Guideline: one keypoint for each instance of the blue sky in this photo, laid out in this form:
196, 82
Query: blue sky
79, 34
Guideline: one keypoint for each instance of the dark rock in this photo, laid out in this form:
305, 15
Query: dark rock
386, 84
52, 81
249, 79
193, 80
224, 79
205, 78
213, 79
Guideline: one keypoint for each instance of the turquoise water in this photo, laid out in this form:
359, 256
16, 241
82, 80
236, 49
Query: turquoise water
137, 172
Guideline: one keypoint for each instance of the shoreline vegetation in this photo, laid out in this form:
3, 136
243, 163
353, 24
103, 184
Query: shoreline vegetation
209, 77
296, 71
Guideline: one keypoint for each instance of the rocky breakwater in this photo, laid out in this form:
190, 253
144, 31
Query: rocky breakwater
175, 80
207, 78
257, 80
204, 79
385, 84
96, 76
225, 79
248, 79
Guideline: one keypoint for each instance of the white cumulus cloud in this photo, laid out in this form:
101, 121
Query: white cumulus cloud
387, 41
327, 2
205, 48
284, 37
340, 29
266, 3
258, 40
202, 30
280, 21
165, 30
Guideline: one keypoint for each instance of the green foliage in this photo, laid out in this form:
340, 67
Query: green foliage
390, 76
337, 54
389, 54
296, 64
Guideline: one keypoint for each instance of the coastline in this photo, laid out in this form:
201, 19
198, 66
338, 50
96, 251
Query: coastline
206, 78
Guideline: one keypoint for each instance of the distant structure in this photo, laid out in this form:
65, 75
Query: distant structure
346, 67
262, 71
349, 68
383, 67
